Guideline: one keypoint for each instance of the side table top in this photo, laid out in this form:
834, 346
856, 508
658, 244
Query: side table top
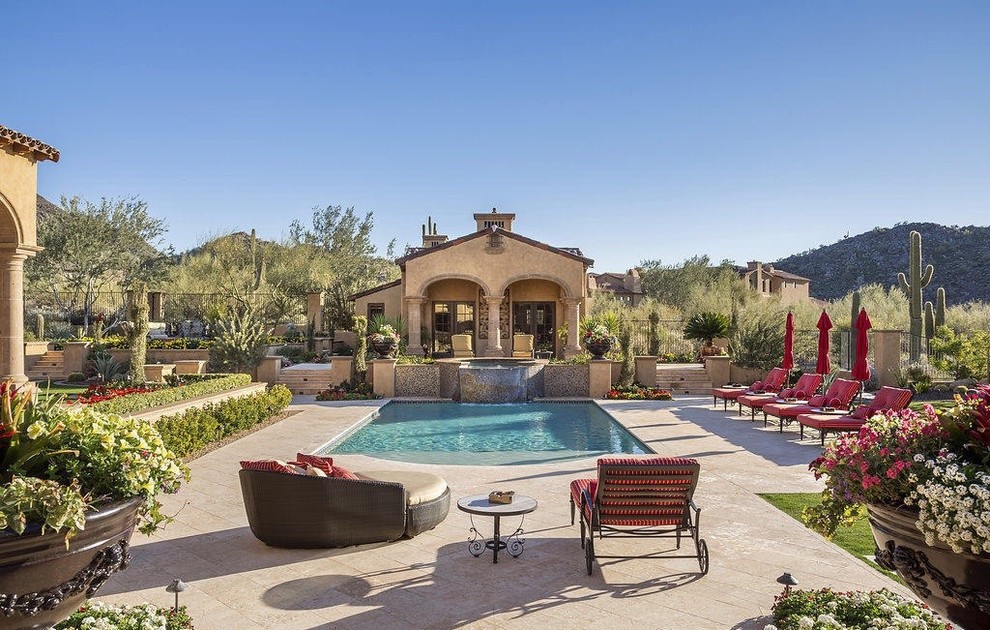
479, 504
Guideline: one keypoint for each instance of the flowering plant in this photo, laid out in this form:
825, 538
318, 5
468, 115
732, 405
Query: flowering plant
385, 334
599, 333
101, 616
638, 392
936, 461
826, 609
99, 392
56, 463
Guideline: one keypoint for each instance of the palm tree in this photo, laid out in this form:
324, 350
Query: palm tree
706, 327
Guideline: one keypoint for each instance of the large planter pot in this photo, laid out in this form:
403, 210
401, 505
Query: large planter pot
956, 585
42, 582
598, 349
384, 349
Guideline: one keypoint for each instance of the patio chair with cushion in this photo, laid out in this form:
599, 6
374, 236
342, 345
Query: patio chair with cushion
804, 389
461, 345
886, 399
772, 382
286, 509
839, 396
522, 346
632, 497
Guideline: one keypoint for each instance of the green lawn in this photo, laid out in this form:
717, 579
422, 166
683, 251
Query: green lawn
46, 389
940, 405
856, 539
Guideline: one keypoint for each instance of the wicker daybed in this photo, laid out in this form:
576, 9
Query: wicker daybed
315, 512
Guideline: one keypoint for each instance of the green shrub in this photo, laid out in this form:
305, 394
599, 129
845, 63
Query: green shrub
758, 341
197, 428
75, 377
141, 402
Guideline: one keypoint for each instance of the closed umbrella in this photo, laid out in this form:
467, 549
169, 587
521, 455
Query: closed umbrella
788, 362
861, 371
824, 365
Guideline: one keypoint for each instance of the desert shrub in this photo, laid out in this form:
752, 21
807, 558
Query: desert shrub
240, 342
75, 377
758, 341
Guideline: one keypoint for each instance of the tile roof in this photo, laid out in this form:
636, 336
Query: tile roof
380, 287
423, 251
21, 144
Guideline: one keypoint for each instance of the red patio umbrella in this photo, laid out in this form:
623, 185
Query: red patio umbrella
861, 371
788, 362
824, 365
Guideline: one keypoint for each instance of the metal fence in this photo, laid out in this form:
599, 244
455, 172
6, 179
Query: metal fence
670, 333
918, 357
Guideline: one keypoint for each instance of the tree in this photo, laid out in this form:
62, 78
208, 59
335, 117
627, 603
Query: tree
90, 248
673, 284
341, 241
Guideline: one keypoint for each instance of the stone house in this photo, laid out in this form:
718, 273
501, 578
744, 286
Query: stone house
625, 287
490, 284
766, 280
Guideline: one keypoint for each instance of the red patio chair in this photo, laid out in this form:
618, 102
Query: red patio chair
639, 497
839, 395
887, 399
772, 382
804, 389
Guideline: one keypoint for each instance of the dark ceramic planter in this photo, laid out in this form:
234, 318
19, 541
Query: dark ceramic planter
385, 349
956, 585
598, 349
42, 582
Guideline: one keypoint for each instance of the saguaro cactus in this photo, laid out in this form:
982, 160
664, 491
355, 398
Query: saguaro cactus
919, 280
40, 327
852, 327
929, 320
940, 307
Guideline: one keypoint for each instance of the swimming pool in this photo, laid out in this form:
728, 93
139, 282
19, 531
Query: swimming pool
487, 435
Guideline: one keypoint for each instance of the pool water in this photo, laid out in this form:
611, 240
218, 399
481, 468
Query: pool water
488, 435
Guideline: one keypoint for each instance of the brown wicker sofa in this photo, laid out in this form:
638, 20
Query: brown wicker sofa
314, 512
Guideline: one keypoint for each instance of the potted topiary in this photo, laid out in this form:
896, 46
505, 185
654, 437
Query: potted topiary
73, 485
705, 327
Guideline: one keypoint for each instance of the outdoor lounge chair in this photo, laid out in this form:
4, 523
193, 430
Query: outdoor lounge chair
461, 345
804, 389
286, 510
773, 381
886, 399
839, 396
522, 346
636, 498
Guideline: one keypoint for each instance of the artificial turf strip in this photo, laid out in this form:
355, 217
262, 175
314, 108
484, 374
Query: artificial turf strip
857, 539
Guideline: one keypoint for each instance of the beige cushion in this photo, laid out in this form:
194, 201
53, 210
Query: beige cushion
420, 486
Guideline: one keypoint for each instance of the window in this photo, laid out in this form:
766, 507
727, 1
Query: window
377, 308
451, 318
494, 240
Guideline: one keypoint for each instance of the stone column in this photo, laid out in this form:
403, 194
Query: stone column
314, 310
572, 307
414, 312
599, 378
886, 349
718, 368
384, 381
494, 327
12, 315
646, 371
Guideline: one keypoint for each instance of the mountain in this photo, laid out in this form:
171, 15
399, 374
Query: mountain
960, 255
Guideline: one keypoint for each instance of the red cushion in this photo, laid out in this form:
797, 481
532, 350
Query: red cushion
323, 463
342, 473
816, 401
591, 485
756, 386
862, 412
269, 465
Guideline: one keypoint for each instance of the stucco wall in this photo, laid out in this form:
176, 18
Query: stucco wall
391, 297
18, 190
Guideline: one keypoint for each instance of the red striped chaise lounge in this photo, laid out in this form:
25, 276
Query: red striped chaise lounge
772, 382
887, 399
804, 389
839, 396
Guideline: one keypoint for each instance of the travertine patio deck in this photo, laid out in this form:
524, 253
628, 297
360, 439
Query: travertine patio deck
431, 581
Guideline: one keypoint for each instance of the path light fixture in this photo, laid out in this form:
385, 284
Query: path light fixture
788, 581
177, 586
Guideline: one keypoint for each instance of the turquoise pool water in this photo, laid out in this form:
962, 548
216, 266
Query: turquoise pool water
488, 435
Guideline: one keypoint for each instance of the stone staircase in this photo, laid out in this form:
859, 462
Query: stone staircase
51, 366
684, 378
306, 378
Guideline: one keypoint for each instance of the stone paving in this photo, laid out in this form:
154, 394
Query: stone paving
236, 582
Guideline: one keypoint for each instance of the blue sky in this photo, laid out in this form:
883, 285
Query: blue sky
634, 130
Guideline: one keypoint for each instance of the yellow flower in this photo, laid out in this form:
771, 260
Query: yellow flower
36, 430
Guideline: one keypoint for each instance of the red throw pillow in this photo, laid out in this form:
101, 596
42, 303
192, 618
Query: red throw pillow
800, 395
787, 393
755, 386
835, 402
323, 463
269, 465
816, 401
862, 412
342, 473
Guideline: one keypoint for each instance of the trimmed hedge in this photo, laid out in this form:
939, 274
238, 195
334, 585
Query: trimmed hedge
197, 428
141, 402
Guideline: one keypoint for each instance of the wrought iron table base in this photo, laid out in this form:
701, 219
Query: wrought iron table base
512, 543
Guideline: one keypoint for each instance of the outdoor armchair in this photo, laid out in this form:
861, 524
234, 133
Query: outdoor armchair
461, 345
522, 346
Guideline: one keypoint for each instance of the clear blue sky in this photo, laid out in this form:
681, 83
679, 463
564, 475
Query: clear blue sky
634, 130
